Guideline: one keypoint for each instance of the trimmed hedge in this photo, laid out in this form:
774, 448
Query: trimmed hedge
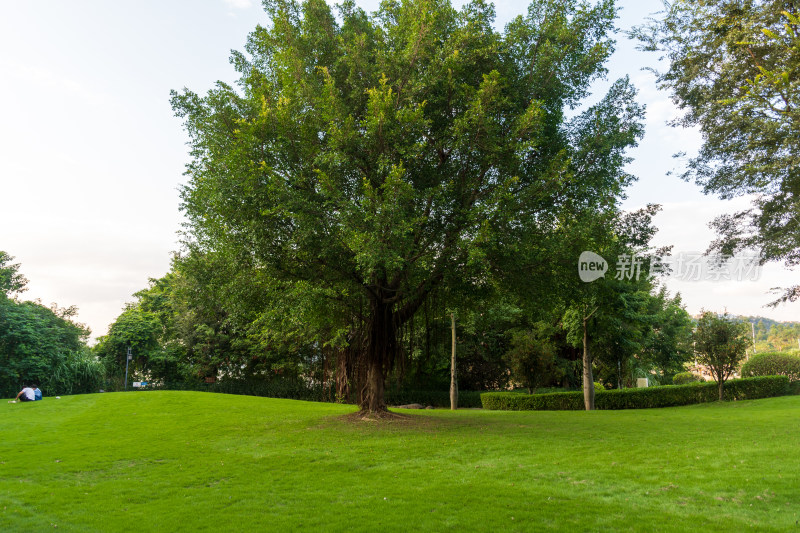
289, 389
644, 398
772, 364
298, 390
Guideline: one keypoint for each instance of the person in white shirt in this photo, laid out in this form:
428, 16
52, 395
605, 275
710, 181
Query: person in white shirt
26, 395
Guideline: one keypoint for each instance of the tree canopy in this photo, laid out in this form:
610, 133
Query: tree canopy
721, 343
11, 281
366, 161
734, 68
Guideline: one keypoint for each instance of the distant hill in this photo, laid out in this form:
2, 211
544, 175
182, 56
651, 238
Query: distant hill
772, 335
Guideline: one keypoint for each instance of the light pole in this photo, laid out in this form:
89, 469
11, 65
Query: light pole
127, 360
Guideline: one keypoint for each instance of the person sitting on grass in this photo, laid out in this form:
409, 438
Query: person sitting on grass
37, 394
26, 395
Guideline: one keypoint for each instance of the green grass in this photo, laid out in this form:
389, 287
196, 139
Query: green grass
187, 461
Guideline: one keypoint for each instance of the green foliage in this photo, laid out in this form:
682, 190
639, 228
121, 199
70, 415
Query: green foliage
75, 373
641, 398
683, 378
11, 281
721, 344
773, 336
483, 340
36, 341
268, 388
733, 67
367, 162
301, 390
532, 357
40, 345
515, 401
772, 364
135, 329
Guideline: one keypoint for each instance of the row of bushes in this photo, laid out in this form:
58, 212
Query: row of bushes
289, 389
298, 390
644, 398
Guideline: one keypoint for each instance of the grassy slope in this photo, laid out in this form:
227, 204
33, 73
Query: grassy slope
194, 461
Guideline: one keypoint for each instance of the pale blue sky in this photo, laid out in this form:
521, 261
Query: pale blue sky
91, 156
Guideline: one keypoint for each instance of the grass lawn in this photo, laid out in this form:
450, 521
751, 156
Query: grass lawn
188, 461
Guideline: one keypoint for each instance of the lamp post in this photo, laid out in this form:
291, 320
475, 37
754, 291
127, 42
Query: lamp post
127, 360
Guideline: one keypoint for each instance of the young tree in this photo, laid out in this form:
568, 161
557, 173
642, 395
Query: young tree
734, 67
721, 344
608, 307
366, 161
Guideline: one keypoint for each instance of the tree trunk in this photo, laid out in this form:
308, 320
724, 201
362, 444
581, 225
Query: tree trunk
373, 400
379, 350
453, 382
588, 378
721, 385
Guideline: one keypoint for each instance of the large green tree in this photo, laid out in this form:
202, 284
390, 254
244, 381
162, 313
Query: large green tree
734, 68
366, 160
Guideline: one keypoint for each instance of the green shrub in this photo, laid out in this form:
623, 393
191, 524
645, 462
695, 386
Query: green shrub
772, 364
640, 398
684, 378
74, 373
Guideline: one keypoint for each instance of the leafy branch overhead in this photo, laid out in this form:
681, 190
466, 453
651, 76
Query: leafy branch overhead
734, 70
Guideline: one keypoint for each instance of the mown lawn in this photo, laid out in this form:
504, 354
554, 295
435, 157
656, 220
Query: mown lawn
187, 461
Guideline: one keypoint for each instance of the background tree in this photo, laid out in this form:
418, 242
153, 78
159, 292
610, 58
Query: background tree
668, 343
734, 68
721, 344
368, 160
607, 312
11, 281
39, 344
532, 357
135, 329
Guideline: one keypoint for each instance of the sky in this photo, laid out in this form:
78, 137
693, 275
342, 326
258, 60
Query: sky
92, 156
